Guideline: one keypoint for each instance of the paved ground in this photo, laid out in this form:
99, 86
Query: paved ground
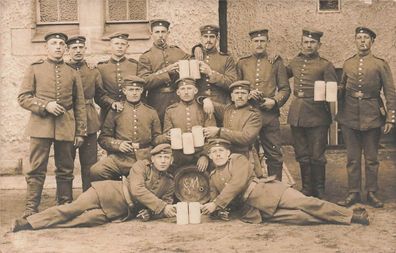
216, 236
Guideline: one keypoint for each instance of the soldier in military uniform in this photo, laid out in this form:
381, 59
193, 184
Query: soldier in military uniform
266, 199
217, 68
269, 91
113, 72
146, 194
184, 115
310, 120
53, 92
158, 66
241, 122
362, 114
92, 85
127, 135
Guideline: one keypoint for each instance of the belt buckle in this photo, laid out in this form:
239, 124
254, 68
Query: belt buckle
208, 92
135, 145
300, 93
359, 94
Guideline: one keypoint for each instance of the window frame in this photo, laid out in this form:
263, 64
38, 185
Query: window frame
127, 21
38, 16
328, 11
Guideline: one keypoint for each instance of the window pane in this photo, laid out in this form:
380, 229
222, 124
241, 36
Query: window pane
137, 9
68, 10
48, 10
329, 5
117, 10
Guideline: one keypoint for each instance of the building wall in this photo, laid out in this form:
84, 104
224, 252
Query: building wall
18, 19
285, 20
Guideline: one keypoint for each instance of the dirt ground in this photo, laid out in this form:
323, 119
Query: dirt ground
218, 236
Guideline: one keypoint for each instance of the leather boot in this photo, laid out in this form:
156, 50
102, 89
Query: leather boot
318, 176
352, 198
64, 192
360, 216
20, 224
374, 201
306, 179
85, 177
33, 198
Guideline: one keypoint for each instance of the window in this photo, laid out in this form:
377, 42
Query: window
329, 5
127, 16
56, 15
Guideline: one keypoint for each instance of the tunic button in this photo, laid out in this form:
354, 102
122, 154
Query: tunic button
258, 70
257, 79
258, 60
304, 65
257, 84
361, 59
301, 80
118, 69
118, 64
207, 80
134, 133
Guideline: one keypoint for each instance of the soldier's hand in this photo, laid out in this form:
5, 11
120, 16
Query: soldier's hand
168, 136
54, 108
143, 215
388, 127
255, 94
172, 68
170, 211
268, 103
211, 131
208, 107
117, 106
126, 147
198, 53
204, 68
202, 163
209, 208
78, 141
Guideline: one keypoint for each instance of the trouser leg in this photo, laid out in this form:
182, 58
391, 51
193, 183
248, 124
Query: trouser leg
64, 163
270, 138
320, 209
59, 214
294, 216
35, 177
301, 150
112, 167
353, 143
88, 154
370, 145
89, 218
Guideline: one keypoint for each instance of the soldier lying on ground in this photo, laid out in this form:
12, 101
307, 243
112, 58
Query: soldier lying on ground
147, 193
233, 180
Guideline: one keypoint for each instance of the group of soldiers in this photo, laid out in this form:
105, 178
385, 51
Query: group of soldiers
237, 104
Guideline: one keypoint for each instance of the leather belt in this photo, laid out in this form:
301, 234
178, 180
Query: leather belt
304, 93
253, 184
361, 95
137, 145
166, 90
89, 101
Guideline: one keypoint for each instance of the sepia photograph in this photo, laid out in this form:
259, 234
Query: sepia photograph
198, 126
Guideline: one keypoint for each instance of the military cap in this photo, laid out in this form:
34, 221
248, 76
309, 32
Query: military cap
119, 35
219, 143
131, 80
159, 22
258, 33
55, 35
163, 148
366, 30
310, 33
76, 39
209, 29
242, 85
185, 81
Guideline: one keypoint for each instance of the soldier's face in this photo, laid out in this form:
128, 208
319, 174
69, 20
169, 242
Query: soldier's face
162, 161
240, 97
77, 51
132, 93
187, 92
363, 42
309, 45
209, 41
259, 44
118, 47
55, 48
219, 155
159, 35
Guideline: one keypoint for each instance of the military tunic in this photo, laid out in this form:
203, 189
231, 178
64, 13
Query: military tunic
113, 73
269, 200
271, 79
160, 85
216, 85
362, 114
184, 116
137, 124
44, 82
105, 201
93, 90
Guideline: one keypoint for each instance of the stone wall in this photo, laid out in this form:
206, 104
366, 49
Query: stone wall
18, 19
285, 20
